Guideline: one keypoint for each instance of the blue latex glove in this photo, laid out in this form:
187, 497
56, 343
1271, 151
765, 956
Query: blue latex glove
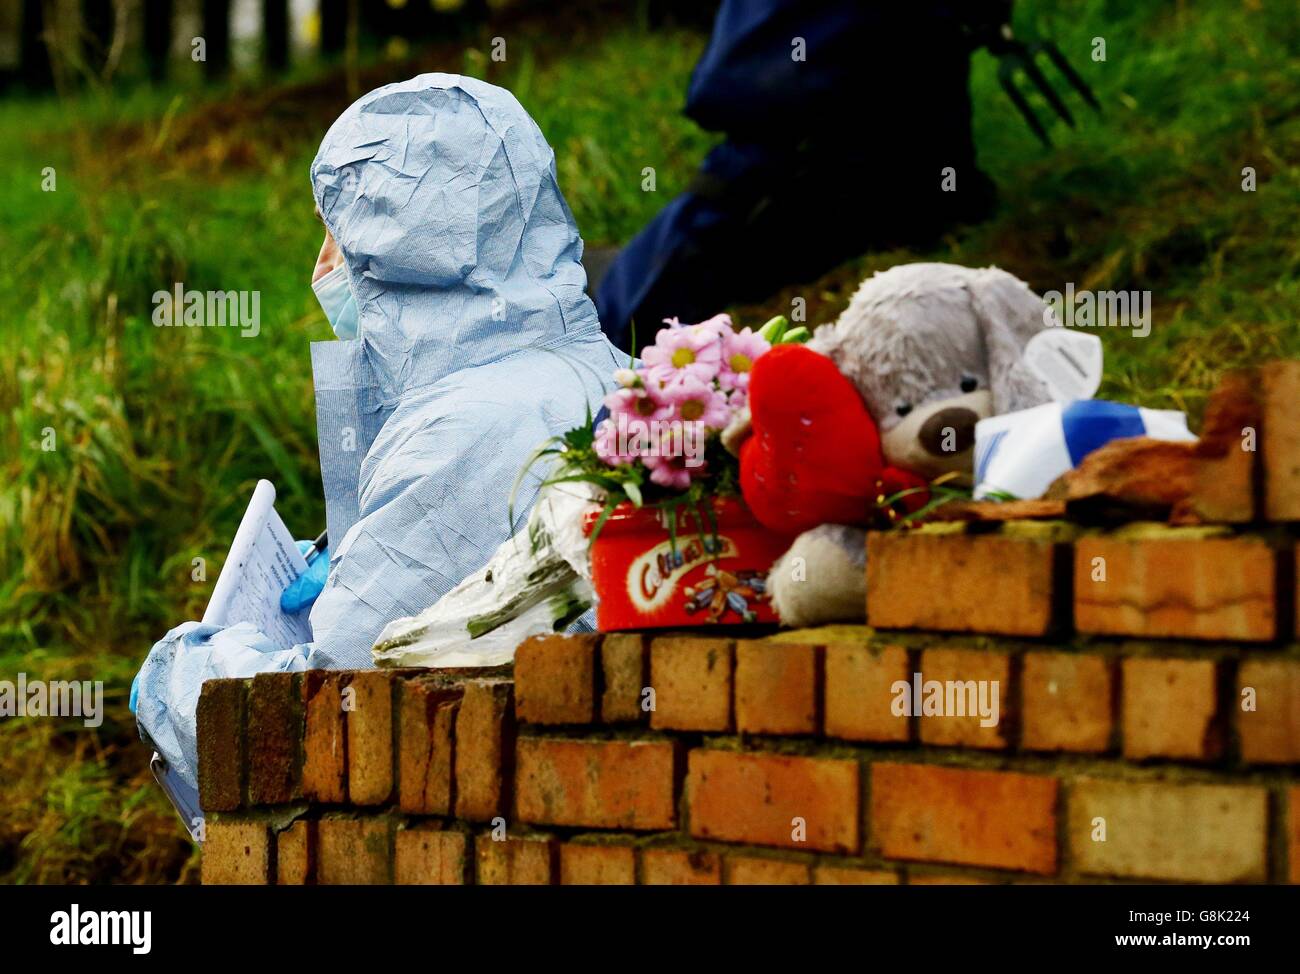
302, 591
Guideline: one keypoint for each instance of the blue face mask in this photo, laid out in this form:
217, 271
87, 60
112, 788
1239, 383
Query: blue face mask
335, 296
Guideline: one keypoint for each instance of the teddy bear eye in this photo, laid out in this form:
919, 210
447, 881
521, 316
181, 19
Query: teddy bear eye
903, 408
969, 383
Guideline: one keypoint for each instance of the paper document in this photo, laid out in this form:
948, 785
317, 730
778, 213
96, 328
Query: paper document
263, 560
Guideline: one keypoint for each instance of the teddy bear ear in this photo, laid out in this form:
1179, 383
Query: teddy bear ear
1008, 314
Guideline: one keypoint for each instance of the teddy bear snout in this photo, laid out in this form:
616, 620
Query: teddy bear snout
949, 432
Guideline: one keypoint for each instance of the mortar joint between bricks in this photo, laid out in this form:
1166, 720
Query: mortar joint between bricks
914, 718
244, 756
452, 747
867, 850
1286, 612
1013, 714
598, 680
1228, 706
1062, 575
1115, 741
1278, 862
394, 736
509, 738
818, 691
1064, 851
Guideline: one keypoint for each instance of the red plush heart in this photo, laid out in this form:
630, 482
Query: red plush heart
814, 456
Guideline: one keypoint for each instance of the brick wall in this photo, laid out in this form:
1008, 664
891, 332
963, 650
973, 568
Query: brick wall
776, 760
1148, 726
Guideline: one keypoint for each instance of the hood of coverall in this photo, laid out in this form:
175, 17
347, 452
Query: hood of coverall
442, 196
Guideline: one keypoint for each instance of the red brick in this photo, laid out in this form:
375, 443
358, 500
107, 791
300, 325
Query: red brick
776, 688
1066, 702
429, 857
623, 660
944, 879
597, 865
295, 854
1176, 583
354, 852
691, 678
484, 742
325, 753
515, 862
941, 578
236, 854
678, 867
751, 871
1223, 476
1159, 830
220, 728
275, 730
757, 798
1270, 734
370, 738
1128, 475
426, 717
1280, 441
973, 677
596, 784
999, 819
853, 876
1170, 708
859, 692
555, 679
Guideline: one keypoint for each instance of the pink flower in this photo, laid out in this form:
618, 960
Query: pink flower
638, 403
719, 325
683, 350
609, 446
673, 472
697, 402
632, 428
665, 412
739, 352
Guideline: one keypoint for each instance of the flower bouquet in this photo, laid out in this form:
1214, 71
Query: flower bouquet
671, 541
640, 512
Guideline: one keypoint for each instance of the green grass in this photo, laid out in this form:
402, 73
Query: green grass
1150, 197
160, 433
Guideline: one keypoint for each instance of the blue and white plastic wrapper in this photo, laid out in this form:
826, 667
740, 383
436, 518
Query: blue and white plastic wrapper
1020, 454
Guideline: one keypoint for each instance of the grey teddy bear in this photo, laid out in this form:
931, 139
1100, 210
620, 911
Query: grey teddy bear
932, 349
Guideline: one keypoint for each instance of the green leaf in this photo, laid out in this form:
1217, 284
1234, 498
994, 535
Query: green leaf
541, 451
774, 329
1001, 496
939, 495
600, 521
610, 484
